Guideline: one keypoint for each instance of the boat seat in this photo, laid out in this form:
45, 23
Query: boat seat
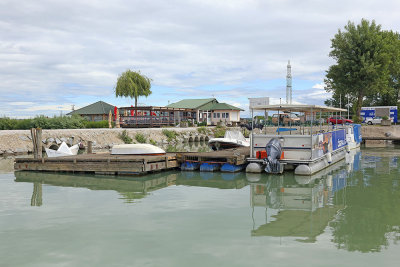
285, 129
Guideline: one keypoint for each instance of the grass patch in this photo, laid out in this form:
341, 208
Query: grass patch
152, 142
202, 130
140, 138
125, 137
171, 135
219, 132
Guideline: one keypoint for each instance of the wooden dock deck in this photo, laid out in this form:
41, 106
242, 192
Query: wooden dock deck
99, 163
235, 156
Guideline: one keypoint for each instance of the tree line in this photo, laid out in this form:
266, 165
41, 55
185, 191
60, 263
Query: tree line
367, 68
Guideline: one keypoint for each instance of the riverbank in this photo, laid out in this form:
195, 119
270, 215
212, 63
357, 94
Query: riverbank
19, 141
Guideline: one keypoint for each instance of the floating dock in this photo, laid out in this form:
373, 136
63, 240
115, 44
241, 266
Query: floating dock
99, 163
231, 160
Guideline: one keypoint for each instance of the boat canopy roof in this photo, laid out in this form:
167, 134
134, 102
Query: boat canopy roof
298, 108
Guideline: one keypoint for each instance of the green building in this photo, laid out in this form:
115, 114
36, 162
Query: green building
210, 110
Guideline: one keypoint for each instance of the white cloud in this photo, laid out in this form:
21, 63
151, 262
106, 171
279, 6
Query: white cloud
78, 48
320, 86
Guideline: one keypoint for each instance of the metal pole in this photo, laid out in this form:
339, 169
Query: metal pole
251, 136
340, 105
312, 121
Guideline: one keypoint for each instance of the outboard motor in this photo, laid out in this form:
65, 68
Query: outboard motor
274, 151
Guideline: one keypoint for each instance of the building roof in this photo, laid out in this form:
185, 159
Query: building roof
191, 103
98, 107
298, 108
219, 106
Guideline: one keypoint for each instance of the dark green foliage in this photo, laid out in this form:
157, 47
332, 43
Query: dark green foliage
96, 124
367, 66
125, 137
140, 138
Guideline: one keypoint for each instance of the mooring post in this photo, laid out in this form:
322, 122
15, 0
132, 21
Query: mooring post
34, 143
39, 142
89, 147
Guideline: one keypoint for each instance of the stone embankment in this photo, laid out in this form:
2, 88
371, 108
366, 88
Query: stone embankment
19, 141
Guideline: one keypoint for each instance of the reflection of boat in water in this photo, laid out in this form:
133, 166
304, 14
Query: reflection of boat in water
130, 188
231, 139
212, 179
301, 206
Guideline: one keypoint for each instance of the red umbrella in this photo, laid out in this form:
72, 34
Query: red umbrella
132, 110
115, 113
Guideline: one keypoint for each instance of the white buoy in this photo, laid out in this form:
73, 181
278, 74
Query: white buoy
329, 157
254, 167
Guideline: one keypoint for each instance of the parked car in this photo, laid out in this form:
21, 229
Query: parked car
338, 120
285, 119
376, 120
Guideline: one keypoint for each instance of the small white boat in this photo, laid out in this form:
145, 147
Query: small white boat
62, 151
231, 139
137, 149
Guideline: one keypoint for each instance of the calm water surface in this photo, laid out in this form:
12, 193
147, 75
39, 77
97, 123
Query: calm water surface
347, 215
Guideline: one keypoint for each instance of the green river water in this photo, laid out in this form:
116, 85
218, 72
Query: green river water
346, 215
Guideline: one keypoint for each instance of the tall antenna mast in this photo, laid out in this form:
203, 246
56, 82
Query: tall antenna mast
289, 84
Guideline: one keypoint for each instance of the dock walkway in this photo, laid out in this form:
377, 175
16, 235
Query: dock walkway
236, 156
99, 163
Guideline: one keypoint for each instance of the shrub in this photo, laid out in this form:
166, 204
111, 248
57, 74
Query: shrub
125, 137
152, 142
385, 117
140, 138
219, 132
169, 134
96, 124
203, 123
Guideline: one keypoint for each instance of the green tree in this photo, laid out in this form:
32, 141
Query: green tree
133, 84
363, 63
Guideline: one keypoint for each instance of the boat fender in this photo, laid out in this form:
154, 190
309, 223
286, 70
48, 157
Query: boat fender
329, 157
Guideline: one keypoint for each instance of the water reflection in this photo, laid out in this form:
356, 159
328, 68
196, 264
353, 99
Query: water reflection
129, 188
355, 202
358, 199
212, 179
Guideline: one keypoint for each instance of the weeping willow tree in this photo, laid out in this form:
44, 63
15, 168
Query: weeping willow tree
133, 84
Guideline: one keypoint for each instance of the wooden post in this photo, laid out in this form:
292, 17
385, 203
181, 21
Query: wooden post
89, 147
33, 135
39, 142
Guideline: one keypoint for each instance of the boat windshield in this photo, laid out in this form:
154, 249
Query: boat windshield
234, 135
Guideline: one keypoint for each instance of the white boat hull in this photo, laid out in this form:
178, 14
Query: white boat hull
62, 151
136, 149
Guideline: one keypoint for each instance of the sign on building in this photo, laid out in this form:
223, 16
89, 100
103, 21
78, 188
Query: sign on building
372, 112
258, 101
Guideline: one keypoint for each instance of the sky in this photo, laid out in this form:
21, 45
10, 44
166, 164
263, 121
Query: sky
55, 54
